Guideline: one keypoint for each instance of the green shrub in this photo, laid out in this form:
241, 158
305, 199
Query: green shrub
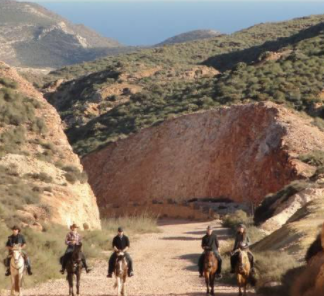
266, 209
6, 82
315, 158
73, 174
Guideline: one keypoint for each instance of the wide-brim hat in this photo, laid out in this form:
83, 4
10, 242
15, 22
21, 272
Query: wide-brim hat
15, 227
120, 229
241, 225
74, 226
209, 227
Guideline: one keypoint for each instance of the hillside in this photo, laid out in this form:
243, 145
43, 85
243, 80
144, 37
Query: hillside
32, 36
111, 98
42, 180
190, 36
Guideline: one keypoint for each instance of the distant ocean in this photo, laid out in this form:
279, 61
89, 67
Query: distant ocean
148, 23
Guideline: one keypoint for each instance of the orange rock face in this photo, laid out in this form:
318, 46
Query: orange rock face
243, 153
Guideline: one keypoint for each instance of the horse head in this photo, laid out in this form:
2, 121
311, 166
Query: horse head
210, 259
77, 253
243, 262
16, 252
121, 264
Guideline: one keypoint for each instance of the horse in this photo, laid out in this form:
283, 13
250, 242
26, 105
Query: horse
210, 268
121, 271
242, 271
17, 268
73, 268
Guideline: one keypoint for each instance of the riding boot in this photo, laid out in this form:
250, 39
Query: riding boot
7, 264
27, 262
201, 265
111, 265
233, 261
85, 265
63, 265
220, 263
251, 259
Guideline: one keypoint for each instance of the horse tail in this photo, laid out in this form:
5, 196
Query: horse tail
17, 283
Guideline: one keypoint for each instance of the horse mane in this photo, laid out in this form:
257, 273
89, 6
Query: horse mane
314, 249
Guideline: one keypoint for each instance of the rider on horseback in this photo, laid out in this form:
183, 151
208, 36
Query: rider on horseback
73, 238
242, 241
16, 239
210, 241
120, 244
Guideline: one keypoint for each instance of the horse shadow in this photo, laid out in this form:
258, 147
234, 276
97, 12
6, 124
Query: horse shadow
181, 238
193, 259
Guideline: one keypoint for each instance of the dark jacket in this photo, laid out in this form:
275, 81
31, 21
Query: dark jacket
241, 238
210, 241
121, 243
15, 239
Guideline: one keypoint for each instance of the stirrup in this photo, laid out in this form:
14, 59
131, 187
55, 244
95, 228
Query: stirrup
7, 273
109, 275
62, 271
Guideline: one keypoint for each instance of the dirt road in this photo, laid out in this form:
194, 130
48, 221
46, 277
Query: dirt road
165, 264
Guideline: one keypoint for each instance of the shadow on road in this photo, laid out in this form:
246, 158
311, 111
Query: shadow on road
181, 238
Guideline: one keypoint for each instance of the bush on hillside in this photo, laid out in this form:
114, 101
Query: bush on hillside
266, 209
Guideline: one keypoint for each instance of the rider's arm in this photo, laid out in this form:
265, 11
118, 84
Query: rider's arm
216, 242
114, 245
68, 240
203, 245
23, 242
127, 244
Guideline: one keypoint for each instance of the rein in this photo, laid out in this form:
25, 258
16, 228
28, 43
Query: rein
13, 266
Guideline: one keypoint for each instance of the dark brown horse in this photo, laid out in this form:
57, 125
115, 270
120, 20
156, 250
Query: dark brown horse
210, 268
73, 268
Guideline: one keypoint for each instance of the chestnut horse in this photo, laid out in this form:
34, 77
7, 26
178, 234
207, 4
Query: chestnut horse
242, 271
210, 268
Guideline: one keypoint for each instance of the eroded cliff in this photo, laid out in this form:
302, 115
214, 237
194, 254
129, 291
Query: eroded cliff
42, 179
243, 152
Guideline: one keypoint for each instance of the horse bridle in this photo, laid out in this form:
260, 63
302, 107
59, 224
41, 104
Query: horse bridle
20, 256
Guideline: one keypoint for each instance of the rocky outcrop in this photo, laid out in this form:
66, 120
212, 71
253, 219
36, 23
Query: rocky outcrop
285, 208
243, 152
43, 163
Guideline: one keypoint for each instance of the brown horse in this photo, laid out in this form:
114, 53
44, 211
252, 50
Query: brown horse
210, 268
73, 268
242, 271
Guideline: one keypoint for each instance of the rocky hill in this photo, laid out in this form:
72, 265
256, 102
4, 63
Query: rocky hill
190, 36
111, 98
30, 35
206, 155
42, 180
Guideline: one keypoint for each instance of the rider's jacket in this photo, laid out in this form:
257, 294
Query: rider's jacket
210, 241
120, 242
241, 238
16, 239
73, 236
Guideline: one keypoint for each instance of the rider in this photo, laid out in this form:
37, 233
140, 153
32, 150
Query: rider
210, 241
120, 244
73, 238
15, 239
242, 241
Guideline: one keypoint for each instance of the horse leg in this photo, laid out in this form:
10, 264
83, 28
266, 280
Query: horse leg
207, 281
70, 280
118, 281
124, 286
78, 282
245, 288
240, 290
13, 284
20, 284
212, 283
